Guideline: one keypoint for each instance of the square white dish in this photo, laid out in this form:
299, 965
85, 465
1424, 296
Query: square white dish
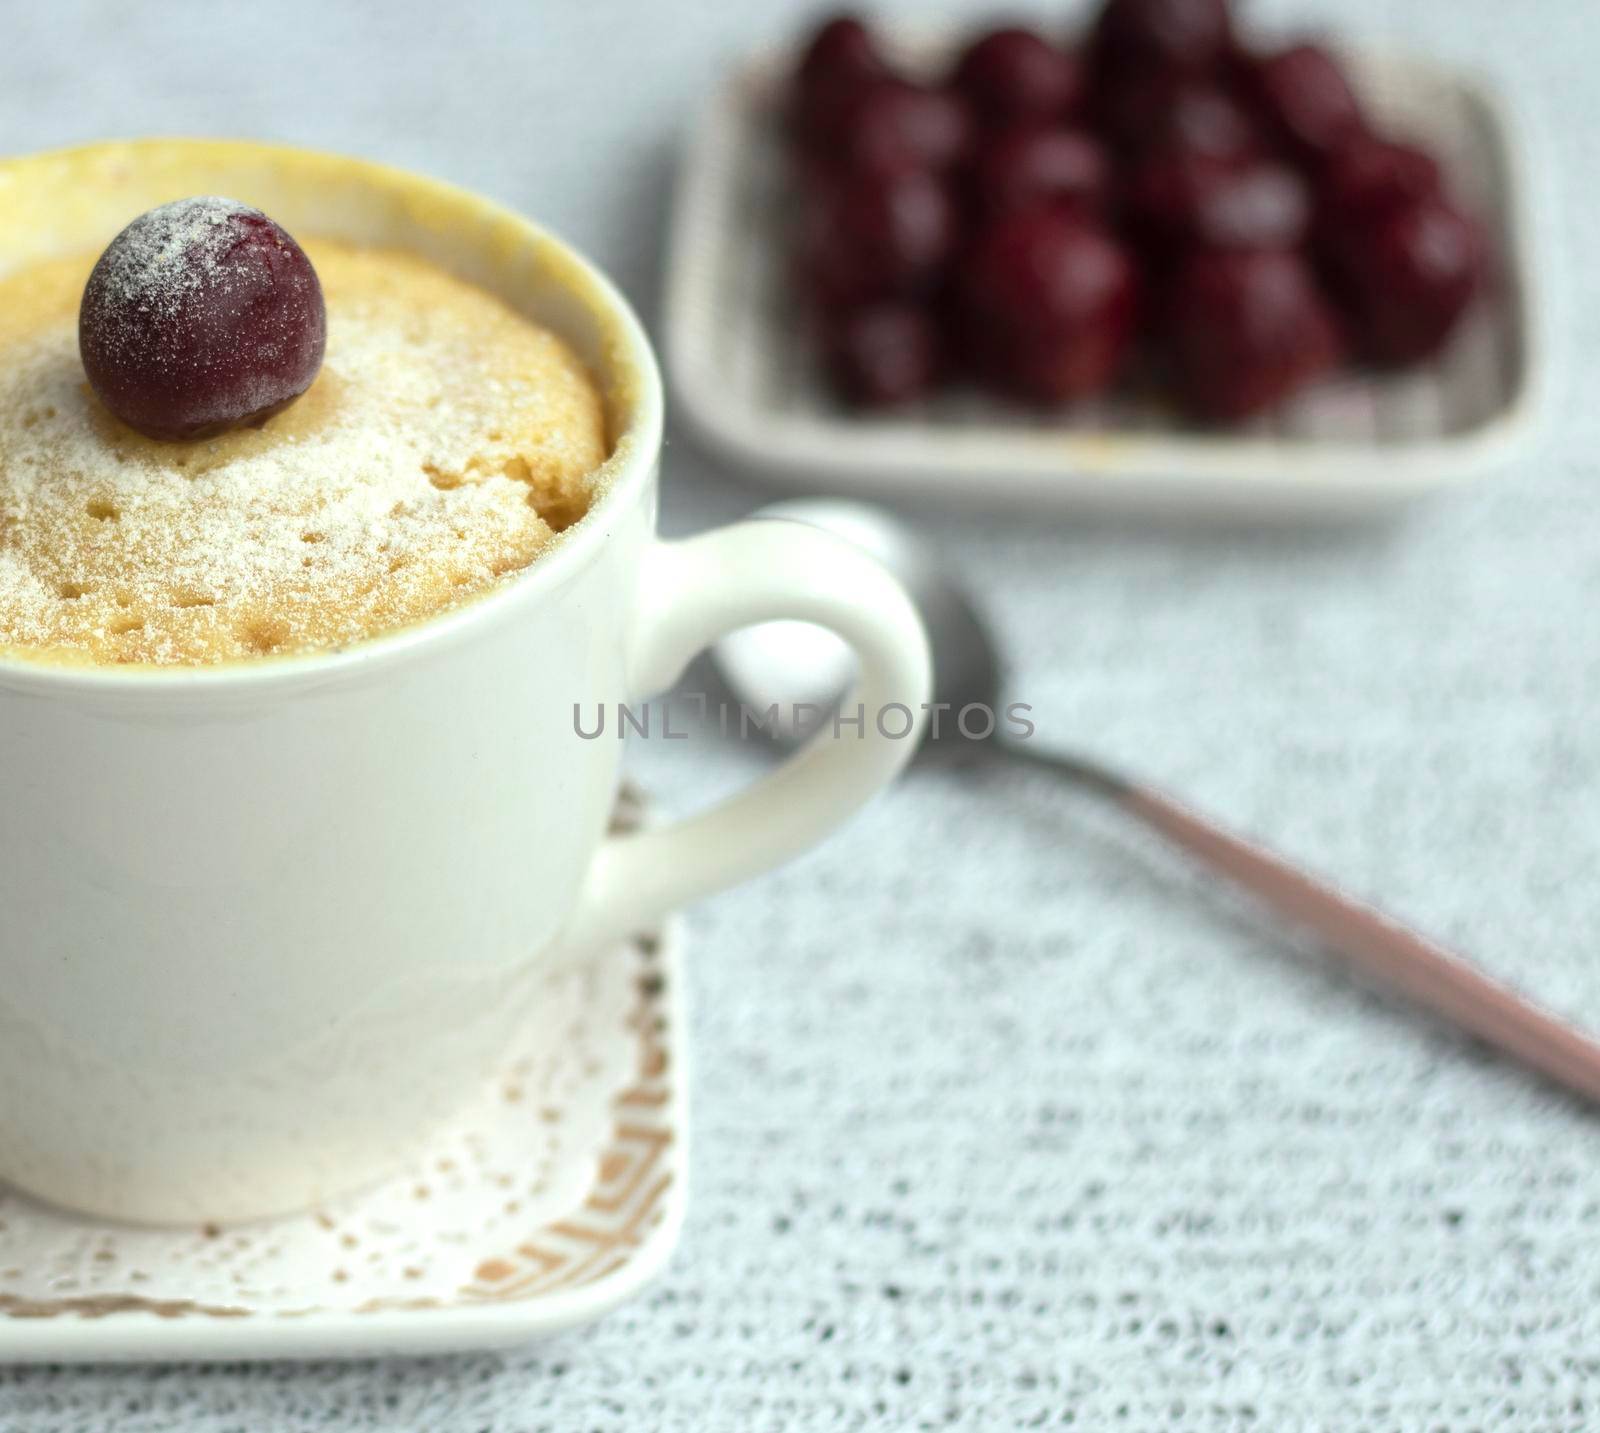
555, 1199
745, 377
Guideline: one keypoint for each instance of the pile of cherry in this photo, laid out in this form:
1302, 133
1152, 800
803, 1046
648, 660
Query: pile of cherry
1160, 204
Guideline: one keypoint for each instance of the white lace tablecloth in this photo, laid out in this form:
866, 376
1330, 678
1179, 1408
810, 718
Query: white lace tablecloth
1002, 1118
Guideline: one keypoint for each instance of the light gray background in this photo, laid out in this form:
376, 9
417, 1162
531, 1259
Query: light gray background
1001, 1119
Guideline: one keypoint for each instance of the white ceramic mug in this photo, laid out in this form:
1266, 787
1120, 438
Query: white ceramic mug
264, 926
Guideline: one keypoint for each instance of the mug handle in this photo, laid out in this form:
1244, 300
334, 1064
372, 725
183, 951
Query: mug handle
694, 592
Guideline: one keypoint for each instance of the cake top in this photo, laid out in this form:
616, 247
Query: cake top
445, 443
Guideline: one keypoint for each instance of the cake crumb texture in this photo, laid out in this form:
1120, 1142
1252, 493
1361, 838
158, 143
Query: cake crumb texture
445, 443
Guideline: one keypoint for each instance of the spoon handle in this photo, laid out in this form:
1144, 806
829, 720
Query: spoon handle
1370, 941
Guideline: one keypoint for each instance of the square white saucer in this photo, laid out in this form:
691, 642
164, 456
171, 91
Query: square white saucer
557, 1197
1358, 442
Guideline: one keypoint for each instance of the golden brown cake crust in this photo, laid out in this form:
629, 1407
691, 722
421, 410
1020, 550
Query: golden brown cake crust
444, 444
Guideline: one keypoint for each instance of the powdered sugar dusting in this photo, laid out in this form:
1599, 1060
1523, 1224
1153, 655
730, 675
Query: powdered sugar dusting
445, 443
172, 251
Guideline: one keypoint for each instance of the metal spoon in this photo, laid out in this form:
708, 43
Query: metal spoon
786, 663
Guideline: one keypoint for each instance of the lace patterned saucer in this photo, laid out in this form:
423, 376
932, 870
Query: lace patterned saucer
553, 1200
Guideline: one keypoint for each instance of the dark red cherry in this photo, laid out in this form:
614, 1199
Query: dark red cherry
876, 236
1409, 277
1258, 206
1014, 76
1369, 177
202, 315
1048, 306
893, 124
841, 48
1202, 119
812, 172
1027, 167
1156, 113
1365, 181
883, 354
1163, 35
1245, 330
1305, 96
1181, 201
841, 59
